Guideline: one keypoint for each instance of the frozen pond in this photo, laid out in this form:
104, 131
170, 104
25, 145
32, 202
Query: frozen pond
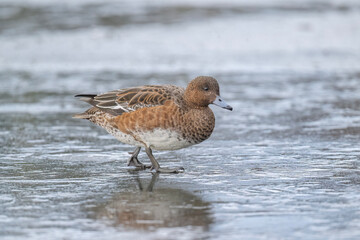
283, 165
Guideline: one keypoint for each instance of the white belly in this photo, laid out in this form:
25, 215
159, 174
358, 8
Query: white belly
158, 139
162, 139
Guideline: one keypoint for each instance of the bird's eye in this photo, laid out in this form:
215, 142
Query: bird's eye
206, 88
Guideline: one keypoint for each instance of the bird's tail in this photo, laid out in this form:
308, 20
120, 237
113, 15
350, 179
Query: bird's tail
84, 115
88, 113
89, 99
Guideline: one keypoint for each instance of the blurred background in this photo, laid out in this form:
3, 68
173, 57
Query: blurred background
283, 165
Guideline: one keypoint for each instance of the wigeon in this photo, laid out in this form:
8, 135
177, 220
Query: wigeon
160, 117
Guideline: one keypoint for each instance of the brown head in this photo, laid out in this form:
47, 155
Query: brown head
203, 91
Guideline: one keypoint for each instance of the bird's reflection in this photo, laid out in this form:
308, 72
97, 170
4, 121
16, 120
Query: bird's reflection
149, 208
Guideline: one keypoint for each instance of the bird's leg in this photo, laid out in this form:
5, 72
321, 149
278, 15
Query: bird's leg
156, 165
133, 161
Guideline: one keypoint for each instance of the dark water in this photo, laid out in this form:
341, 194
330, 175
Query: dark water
283, 165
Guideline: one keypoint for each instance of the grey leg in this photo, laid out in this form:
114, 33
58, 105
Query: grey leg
133, 161
156, 165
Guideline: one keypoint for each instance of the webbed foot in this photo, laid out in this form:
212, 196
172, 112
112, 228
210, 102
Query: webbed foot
156, 165
133, 161
169, 170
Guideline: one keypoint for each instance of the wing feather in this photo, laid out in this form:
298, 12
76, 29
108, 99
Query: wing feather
130, 99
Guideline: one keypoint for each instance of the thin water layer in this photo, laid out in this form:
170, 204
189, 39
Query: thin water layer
274, 167
283, 165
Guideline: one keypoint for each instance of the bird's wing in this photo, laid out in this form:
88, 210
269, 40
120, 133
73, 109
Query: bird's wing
130, 99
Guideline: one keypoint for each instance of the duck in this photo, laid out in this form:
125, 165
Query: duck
157, 117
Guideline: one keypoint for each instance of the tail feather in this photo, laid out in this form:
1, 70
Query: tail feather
86, 95
89, 98
81, 115
87, 114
